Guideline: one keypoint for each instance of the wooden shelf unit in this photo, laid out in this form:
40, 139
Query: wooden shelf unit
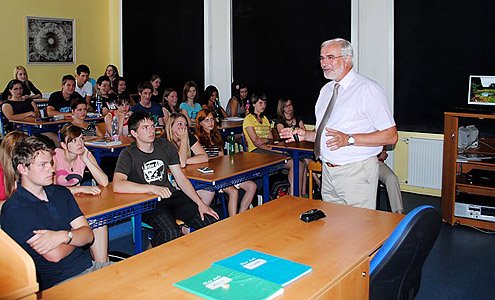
452, 170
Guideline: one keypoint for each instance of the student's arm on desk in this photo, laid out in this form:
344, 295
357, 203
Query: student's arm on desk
122, 185
186, 186
8, 112
52, 244
51, 111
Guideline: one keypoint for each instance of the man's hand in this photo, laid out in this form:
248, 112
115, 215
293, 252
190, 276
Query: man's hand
336, 139
205, 209
161, 191
288, 133
45, 241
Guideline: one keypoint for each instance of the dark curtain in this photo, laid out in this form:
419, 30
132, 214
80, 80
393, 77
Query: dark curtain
438, 44
276, 45
164, 38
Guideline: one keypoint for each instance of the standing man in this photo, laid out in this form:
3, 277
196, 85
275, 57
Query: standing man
45, 220
59, 102
142, 168
353, 123
145, 91
83, 86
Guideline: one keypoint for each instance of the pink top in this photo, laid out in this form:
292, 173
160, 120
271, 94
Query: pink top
67, 174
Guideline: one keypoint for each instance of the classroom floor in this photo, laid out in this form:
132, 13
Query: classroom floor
461, 264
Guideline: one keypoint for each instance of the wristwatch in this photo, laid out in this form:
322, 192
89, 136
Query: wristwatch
69, 236
350, 140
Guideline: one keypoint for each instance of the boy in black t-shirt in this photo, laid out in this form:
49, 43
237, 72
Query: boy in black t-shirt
142, 168
59, 102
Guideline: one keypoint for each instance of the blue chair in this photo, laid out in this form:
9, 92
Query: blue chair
395, 271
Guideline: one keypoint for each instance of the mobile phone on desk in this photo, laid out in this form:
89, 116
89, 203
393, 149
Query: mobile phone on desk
205, 170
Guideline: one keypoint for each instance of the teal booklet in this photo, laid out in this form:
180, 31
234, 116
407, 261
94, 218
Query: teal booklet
265, 266
221, 283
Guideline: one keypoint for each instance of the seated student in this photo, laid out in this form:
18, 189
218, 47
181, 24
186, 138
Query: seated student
170, 103
29, 91
256, 128
210, 139
236, 107
142, 168
287, 118
16, 108
103, 93
189, 106
59, 102
122, 114
120, 87
83, 86
8, 179
52, 229
79, 109
156, 96
112, 73
211, 102
69, 162
145, 104
188, 147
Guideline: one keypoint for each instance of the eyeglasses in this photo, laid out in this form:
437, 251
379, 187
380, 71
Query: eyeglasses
331, 58
208, 120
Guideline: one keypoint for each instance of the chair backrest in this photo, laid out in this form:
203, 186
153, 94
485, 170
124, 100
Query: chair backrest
395, 271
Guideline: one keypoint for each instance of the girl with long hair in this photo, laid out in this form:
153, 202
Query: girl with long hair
210, 139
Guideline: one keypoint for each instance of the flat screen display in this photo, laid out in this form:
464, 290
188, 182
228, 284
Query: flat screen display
481, 90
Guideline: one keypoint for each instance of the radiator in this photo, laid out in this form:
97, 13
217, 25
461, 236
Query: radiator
425, 163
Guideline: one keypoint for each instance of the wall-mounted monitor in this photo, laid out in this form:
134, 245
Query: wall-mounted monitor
481, 90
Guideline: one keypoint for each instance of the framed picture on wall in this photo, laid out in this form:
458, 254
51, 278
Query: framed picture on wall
50, 41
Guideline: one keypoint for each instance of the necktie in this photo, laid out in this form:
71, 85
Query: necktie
324, 121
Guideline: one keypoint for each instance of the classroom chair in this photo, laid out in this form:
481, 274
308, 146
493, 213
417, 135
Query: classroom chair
313, 166
395, 270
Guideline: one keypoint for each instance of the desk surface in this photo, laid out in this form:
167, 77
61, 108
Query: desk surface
227, 124
126, 141
333, 246
302, 146
32, 121
108, 201
228, 166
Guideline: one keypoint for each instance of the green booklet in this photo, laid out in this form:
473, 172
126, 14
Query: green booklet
221, 283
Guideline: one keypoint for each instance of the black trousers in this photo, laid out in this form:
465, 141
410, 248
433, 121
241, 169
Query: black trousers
168, 210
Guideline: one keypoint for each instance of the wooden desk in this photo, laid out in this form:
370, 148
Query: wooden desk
32, 126
227, 126
100, 151
338, 248
109, 208
237, 168
17, 271
296, 150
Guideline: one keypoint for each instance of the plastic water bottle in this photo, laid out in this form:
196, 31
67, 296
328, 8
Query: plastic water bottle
115, 128
98, 103
231, 143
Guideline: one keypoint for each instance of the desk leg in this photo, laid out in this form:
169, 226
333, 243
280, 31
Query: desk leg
138, 234
266, 188
295, 161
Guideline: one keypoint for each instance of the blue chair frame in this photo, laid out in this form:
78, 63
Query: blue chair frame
395, 271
